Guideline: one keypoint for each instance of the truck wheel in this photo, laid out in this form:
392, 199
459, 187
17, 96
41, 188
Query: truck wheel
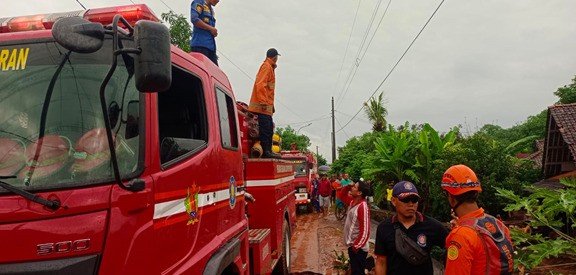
309, 208
283, 265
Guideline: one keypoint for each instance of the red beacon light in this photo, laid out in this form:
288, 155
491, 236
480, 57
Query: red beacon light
132, 14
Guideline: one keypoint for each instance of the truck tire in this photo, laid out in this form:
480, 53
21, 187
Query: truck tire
283, 264
309, 208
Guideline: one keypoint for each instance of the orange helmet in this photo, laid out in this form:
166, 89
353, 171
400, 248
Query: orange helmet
459, 179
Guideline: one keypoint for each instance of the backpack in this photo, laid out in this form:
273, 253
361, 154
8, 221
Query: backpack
496, 243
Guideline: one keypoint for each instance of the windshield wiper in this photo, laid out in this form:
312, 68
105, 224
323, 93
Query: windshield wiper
43, 117
52, 204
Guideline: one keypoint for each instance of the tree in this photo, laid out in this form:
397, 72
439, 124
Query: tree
550, 209
355, 156
567, 93
394, 156
180, 30
289, 137
376, 113
429, 149
321, 160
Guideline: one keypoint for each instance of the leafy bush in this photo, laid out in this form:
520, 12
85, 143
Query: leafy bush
549, 210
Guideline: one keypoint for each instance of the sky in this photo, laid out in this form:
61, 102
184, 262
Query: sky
475, 63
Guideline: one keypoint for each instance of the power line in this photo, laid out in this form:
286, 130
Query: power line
307, 121
353, 117
356, 61
348, 43
357, 119
238, 67
365, 51
165, 5
397, 62
81, 4
348, 136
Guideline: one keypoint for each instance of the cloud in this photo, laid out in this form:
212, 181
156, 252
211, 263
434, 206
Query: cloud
477, 62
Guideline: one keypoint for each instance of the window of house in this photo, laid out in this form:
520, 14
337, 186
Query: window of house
228, 129
183, 127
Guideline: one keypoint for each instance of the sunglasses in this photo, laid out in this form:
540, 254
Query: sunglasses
411, 199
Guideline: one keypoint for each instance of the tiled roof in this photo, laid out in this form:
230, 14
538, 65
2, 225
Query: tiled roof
565, 117
540, 145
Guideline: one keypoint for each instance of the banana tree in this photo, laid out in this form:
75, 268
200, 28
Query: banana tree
429, 147
394, 158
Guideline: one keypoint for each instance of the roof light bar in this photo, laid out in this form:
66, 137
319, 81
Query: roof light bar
132, 14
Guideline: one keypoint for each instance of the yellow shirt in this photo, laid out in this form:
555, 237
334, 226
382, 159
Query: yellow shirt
389, 194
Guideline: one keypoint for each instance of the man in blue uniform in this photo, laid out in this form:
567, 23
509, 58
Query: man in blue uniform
204, 32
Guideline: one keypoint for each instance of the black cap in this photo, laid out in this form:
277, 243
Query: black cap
272, 53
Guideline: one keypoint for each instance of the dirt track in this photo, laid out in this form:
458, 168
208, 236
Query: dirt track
314, 242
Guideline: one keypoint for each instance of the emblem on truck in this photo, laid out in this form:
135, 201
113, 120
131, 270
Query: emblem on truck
191, 203
63, 247
232, 189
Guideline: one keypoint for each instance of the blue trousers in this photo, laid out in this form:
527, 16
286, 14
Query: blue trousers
207, 52
266, 127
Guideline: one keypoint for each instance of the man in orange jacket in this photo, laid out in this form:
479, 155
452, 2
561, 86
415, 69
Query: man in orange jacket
479, 243
262, 101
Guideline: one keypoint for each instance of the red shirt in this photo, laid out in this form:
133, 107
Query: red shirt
324, 188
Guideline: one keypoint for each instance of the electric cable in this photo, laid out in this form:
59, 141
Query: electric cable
364, 53
238, 67
348, 43
356, 60
398, 62
82, 5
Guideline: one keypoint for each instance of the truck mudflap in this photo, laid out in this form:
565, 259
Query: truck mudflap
77, 265
223, 258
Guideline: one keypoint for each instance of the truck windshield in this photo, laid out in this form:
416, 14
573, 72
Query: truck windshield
74, 150
300, 168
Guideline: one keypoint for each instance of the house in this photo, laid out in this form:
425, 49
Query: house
558, 159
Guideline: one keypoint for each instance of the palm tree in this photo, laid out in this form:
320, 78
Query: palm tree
376, 113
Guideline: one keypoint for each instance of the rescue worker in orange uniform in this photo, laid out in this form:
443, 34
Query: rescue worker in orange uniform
262, 101
479, 243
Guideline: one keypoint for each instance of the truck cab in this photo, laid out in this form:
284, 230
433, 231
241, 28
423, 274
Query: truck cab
305, 171
121, 154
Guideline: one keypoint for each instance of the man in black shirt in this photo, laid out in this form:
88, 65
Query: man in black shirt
425, 232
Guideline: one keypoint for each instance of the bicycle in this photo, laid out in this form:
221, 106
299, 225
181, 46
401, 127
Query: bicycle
340, 210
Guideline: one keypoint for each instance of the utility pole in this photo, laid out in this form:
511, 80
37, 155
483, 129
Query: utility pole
333, 134
317, 151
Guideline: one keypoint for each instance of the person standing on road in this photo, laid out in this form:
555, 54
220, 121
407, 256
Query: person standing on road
204, 32
479, 243
389, 195
335, 187
345, 181
357, 227
324, 191
262, 101
314, 199
404, 242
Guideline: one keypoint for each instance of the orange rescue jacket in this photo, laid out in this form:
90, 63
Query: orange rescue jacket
262, 100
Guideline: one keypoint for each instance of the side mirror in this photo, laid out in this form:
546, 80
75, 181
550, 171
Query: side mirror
153, 68
78, 35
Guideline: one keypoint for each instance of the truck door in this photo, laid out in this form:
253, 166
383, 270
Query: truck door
183, 223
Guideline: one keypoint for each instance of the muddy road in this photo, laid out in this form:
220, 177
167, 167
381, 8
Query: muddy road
314, 243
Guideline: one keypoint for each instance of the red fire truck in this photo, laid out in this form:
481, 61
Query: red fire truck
122, 154
306, 169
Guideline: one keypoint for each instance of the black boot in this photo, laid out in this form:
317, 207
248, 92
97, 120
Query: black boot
271, 155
